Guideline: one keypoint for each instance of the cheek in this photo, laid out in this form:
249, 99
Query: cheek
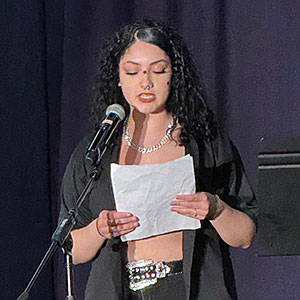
126, 84
167, 80
127, 93
127, 90
164, 86
128, 81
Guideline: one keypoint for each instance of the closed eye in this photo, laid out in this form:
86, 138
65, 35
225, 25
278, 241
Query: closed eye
131, 73
160, 72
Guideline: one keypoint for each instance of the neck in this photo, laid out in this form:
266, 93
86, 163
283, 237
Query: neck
148, 122
148, 129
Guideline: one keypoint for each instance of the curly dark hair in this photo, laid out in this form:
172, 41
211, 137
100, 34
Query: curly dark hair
187, 99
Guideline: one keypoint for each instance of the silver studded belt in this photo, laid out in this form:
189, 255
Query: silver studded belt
143, 273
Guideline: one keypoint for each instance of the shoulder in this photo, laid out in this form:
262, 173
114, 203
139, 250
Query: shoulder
218, 150
77, 162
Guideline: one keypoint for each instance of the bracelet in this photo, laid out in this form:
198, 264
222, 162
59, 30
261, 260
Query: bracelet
216, 206
98, 230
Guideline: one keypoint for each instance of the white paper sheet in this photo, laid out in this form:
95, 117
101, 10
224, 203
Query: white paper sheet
147, 190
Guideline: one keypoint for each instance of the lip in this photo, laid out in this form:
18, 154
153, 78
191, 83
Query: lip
146, 97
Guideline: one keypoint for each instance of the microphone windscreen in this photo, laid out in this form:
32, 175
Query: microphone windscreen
116, 109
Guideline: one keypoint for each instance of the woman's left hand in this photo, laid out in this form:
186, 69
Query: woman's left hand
195, 205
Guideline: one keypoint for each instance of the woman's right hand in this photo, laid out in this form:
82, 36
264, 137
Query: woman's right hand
111, 223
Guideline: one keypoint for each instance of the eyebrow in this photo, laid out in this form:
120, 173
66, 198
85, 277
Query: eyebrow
153, 63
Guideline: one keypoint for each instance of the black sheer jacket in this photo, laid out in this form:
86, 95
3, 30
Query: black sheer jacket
207, 269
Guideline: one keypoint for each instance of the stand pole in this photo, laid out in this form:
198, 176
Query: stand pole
60, 237
69, 270
69, 267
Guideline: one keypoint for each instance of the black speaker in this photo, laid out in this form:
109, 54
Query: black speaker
279, 197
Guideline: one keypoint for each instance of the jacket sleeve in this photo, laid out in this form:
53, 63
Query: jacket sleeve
229, 178
74, 181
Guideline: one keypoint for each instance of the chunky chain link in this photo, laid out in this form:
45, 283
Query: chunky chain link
145, 150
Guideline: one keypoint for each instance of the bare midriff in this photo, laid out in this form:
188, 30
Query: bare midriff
165, 247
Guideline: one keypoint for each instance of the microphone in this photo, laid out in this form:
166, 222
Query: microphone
115, 113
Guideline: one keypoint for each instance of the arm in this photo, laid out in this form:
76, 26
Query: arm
88, 240
90, 232
233, 226
234, 216
86, 243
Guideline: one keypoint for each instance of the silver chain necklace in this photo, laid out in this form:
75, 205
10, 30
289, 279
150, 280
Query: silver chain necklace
145, 150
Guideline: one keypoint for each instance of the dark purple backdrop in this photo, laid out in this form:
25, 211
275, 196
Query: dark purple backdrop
248, 54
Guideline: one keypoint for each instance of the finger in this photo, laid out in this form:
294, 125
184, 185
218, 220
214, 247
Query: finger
111, 223
190, 204
105, 232
122, 220
122, 233
114, 214
199, 205
124, 226
114, 217
124, 229
192, 197
190, 212
102, 224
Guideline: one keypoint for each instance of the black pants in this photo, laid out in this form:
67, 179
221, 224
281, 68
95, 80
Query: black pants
169, 288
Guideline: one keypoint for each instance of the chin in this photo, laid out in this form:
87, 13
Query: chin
147, 108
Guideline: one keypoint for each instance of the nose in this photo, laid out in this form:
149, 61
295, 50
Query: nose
146, 82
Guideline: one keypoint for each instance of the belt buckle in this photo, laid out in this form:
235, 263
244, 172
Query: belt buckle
142, 273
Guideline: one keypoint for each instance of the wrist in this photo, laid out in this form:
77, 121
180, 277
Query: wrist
98, 229
216, 207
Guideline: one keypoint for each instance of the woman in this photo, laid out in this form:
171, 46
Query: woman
147, 69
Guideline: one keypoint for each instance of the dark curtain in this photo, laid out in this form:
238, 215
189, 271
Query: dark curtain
248, 56
31, 43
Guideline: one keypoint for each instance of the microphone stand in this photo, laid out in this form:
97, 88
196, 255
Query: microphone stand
61, 238
69, 267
